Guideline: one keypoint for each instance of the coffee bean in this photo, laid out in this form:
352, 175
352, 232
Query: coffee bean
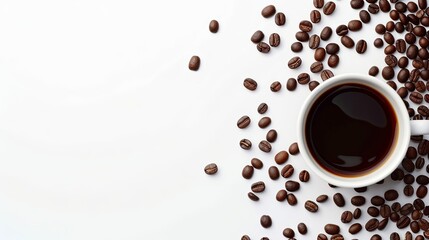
423, 224
364, 16
329, 8
346, 217
391, 195
339, 200
243, 122
322, 198
342, 30
395, 236
418, 203
322, 236
358, 200
268, 11
326, 74
275, 86
262, 108
422, 4
408, 165
388, 73
263, 47
419, 31
296, 47
408, 190
403, 62
291, 199
247, 172
304, 176
332, 48
384, 5
280, 19
361, 46
294, 62
403, 222
385, 211
347, 41
421, 191
399, 27
410, 38
394, 217
318, 3
281, 157
423, 149
382, 224
211, 169
302, 228
289, 233
316, 67
354, 25
281, 195
373, 71
397, 175
419, 237
258, 187
390, 26
305, 26
373, 211
389, 38
355, 228
373, 8
252, 196
302, 36
416, 97
271, 136
426, 234
423, 110
303, 78
326, 33
315, 16
292, 186
332, 229
392, 84
287, 171
361, 189
414, 226
423, 42
214, 26
406, 209
257, 37
319, 54
391, 60
420, 162
403, 74
333, 60
356, 4
412, 51
389, 49
194, 63
311, 206
266, 221
372, 224
256, 163
250, 84
401, 46
264, 122
264, 146
378, 43
274, 40
420, 86
314, 41
380, 29
291, 84
411, 153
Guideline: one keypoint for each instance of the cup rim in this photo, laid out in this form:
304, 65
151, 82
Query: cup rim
403, 135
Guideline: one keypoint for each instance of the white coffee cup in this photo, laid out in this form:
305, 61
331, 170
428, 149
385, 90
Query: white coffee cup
405, 128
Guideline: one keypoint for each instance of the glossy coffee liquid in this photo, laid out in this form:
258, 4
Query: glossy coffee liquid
350, 129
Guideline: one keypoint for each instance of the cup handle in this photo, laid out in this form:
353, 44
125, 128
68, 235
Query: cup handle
419, 127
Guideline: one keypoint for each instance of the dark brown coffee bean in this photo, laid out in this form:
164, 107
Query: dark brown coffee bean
247, 172
292, 186
280, 19
342, 30
361, 189
401, 46
315, 16
268, 11
420, 86
373, 8
382, 224
243, 122
322, 198
302, 36
271, 136
332, 48
403, 222
339, 200
414, 226
337, 237
408, 190
419, 31
302, 228
318, 3
423, 110
421, 191
372, 224
289, 233
364, 16
262, 108
384, 5
416, 215
399, 27
423, 224
296, 47
422, 4
357, 4
250, 84
397, 175
378, 43
257, 163
423, 53
316, 67
273, 173
194, 63
424, 74
274, 40
293, 149
390, 26
214, 26
377, 200
412, 7
403, 62
329, 8
418, 203
347, 41
258, 187
305, 26
361, 46
354, 25
389, 49
294, 62
373, 71
416, 97
245, 237
394, 15
380, 29
395, 236
410, 38
403, 74
423, 149
385, 211
322, 236
420, 162
346, 217
263, 47
391, 60
392, 84
314, 41
252, 196
373, 211
423, 42
332, 229
414, 75
304, 176
358, 200
412, 51
319, 54
264, 146
281, 157
408, 165
326, 33
355, 228
303, 78
291, 84
406, 209
391, 195
266, 221
257, 37
394, 217
388, 73
333, 60
287, 171
211, 169
326, 74
419, 237
426, 234
388, 37
396, 207
275, 86
281, 195
264, 122
311, 206
291, 199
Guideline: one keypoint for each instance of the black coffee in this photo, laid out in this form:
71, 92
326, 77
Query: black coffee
350, 129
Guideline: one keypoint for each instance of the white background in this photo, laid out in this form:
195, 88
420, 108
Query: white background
104, 132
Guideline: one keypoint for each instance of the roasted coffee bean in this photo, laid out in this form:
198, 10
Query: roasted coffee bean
395, 236
250, 84
332, 48
377, 200
194, 63
256, 163
318, 3
271, 136
388, 73
322, 198
264, 146
287, 171
268, 11
304, 176
408, 165
403, 62
361, 46
281, 157
426, 234
382, 224
418, 203
243, 122
291, 84
397, 175
403, 74
214, 26
380, 29
406, 209
391, 195
420, 162
390, 26
252, 196
347, 41
378, 43
358, 200
385, 211
289, 233
420, 86
399, 27
263, 47
412, 51
373, 8
326, 74
401, 46
291, 199
274, 40
314, 41
423, 42
258, 187
257, 37
411, 153
423, 53
394, 217
419, 31
311, 206
292, 186
354, 25
416, 215
245, 237
357, 4
332, 185
264, 122
423, 110
419, 237
422, 4
319, 54
293, 149
302, 228
262, 108
305, 26
372, 224
339, 200
355, 228
373, 211
408, 190
247, 172
326, 33
303, 78
273, 173
416, 97
302, 36
392, 84
333, 60
296, 47
423, 149
396, 207
315, 16
388, 37
389, 49
342, 30
373, 71
410, 38
391, 60
364, 16
280, 19
312, 85
346, 217
361, 189
421, 192
316, 67
266, 221
357, 213
412, 7
275, 86
211, 169
337, 237
414, 226
329, 8
332, 229
423, 224
294, 62
403, 222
